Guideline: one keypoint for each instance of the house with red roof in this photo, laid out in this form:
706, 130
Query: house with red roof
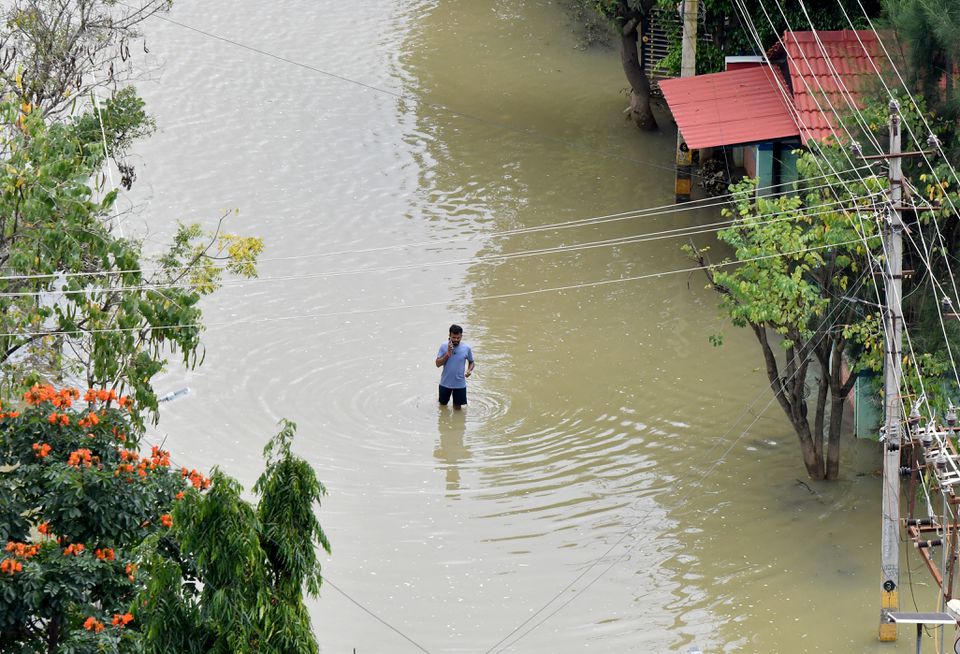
802, 89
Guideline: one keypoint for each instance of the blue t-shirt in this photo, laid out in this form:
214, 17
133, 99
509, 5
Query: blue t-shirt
453, 369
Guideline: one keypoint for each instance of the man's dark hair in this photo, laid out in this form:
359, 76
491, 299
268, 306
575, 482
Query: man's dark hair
456, 329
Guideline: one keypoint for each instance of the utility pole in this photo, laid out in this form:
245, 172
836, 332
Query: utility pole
893, 317
688, 68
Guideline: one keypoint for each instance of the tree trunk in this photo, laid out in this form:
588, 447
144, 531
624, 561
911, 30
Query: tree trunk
838, 395
823, 390
53, 634
833, 437
790, 398
812, 459
640, 110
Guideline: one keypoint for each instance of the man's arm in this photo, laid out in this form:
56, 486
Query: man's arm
443, 356
469, 368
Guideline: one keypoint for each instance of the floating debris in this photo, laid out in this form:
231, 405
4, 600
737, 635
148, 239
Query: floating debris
175, 395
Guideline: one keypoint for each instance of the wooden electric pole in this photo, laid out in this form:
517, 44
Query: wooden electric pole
688, 68
893, 317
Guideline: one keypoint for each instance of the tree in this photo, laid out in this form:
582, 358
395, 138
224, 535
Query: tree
75, 298
76, 498
55, 51
931, 33
230, 577
111, 550
803, 262
629, 17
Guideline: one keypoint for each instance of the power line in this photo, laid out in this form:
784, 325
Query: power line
326, 580
501, 296
652, 212
692, 230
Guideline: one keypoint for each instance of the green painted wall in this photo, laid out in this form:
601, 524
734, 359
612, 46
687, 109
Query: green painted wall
765, 168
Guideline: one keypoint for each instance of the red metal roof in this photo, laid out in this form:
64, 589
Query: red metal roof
831, 75
732, 107
748, 105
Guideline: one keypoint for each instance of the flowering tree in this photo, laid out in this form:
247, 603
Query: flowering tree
76, 498
104, 542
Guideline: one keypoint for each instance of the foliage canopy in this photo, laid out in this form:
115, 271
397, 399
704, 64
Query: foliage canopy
114, 550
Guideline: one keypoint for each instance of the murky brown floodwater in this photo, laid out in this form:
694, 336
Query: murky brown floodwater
608, 448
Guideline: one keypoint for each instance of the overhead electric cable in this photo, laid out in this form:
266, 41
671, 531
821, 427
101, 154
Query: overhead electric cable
919, 114
692, 230
652, 212
501, 296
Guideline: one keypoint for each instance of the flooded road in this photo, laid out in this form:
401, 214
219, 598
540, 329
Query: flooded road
616, 484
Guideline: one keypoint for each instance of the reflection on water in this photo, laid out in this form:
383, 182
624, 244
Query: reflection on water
451, 450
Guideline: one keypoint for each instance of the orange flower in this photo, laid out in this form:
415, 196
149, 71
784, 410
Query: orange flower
75, 550
41, 450
159, 457
38, 394
180, 495
122, 620
131, 570
105, 554
44, 528
90, 420
166, 520
92, 624
22, 549
52, 418
83, 457
10, 567
64, 419
199, 481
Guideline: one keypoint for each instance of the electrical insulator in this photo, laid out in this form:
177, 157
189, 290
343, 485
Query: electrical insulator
926, 544
914, 417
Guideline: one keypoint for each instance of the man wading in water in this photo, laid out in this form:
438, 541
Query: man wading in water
452, 356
